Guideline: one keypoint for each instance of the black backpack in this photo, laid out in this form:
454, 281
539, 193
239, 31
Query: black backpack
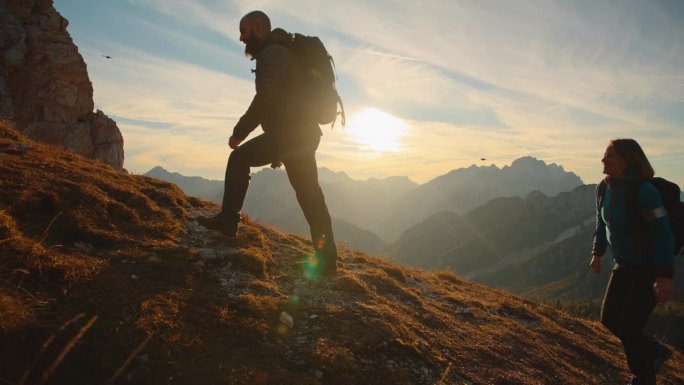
670, 194
318, 73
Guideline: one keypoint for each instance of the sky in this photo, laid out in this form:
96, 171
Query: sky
428, 86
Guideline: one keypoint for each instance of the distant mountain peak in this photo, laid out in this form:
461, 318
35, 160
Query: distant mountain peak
527, 160
157, 169
160, 172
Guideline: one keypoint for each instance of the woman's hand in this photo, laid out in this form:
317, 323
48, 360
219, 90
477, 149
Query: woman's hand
662, 289
595, 263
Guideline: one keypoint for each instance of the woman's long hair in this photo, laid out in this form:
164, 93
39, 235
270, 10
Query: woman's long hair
634, 157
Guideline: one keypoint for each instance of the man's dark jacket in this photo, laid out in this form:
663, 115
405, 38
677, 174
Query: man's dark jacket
277, 106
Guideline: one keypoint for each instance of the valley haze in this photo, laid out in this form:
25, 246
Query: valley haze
386, 207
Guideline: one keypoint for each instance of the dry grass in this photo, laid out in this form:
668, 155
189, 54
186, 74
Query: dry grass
102, 281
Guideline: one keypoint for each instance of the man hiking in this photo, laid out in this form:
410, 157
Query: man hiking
291, 137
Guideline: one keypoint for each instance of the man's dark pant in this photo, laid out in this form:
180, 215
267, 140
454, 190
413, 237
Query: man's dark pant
626, 307
299, 160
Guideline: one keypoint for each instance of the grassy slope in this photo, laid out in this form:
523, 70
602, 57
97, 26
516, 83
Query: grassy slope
97, 267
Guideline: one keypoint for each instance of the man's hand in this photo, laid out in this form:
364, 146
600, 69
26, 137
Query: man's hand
595, 263
662, 289
234, 142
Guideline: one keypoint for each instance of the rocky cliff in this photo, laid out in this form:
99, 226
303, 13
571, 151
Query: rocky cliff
44, 86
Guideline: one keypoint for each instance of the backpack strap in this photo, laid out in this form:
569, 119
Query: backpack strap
343, 116
679, 230
600, 195
599, 248
638, 224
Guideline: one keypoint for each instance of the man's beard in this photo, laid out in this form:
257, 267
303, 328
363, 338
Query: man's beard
253, 46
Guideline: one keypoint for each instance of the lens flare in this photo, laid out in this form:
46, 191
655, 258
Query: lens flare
282, 329
311, 268
314, 260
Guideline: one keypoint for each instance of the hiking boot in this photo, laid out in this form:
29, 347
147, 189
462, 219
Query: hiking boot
225, 224
638, 381
316, 266
329, 268
663, 354
322, 263
329, 260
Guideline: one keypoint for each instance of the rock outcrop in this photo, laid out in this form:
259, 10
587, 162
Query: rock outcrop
44, 86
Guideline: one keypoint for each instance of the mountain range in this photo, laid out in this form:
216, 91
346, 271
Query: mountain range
535, 243
380, 210
464, 189
500, 230
270, 199
538, 246
481, 243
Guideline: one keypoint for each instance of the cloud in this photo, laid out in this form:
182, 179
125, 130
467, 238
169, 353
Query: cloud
489, 79
554, 51
171, 113
143, 87
580, 56
218, 16
399, 80
175, 151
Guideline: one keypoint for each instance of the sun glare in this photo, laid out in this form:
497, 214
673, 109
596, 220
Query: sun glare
377, 131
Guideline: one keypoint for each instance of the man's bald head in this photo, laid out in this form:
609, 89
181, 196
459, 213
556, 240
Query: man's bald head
254, 29
259, 20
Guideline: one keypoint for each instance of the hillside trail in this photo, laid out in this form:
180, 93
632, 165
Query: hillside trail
264, 254
257, 253
313, 310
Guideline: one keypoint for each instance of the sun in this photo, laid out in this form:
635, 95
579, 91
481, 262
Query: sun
377, 131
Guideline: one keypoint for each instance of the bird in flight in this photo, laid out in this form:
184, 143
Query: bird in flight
106, 56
